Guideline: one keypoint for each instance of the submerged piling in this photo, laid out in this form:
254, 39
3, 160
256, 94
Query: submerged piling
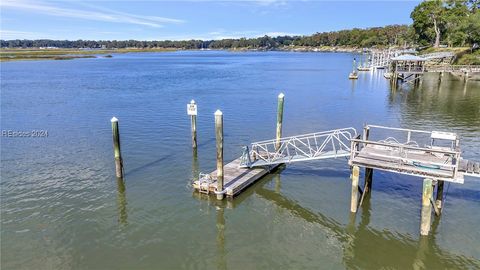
219, 143
116, 148
279, 120
426, 215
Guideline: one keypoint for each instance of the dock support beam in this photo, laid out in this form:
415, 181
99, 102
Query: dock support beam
219, 143
426, 206
116, 148
193, 119
279, 119
439, 197
354, 199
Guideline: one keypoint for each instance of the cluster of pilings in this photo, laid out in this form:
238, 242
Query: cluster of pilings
357, 193
219, 140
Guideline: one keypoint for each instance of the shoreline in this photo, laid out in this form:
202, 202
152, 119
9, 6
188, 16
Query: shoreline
33, 54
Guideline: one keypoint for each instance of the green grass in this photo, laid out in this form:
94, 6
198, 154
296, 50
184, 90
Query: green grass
65, 54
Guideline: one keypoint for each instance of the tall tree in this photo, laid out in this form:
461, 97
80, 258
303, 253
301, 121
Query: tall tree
428, 21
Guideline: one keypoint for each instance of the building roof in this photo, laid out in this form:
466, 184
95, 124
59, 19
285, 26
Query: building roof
408, 57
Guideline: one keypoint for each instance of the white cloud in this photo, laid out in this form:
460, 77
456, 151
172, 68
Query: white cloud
106, 15
223, 34
270, 2
277, 34
13, 34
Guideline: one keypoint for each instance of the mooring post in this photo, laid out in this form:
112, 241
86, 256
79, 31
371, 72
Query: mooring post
426, 206
354, 200
279, 119
116, 148
219, 142
192, 111
439, 197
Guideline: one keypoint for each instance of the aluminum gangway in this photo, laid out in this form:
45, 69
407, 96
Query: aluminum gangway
419, 153
312, 146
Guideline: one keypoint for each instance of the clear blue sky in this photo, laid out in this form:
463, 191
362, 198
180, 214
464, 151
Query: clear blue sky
160, 20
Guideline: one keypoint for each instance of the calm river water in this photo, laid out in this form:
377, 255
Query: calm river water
62, 208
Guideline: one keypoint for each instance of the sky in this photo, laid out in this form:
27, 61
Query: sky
194, 19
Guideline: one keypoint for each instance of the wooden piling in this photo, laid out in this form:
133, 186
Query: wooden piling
279, 119
354, 199
193, 119
368, 171
368, 180
219, 143
116, 148
439, 197
426, 215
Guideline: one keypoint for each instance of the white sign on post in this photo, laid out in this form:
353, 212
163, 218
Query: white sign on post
192, 109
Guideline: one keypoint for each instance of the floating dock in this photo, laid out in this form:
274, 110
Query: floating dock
235, 178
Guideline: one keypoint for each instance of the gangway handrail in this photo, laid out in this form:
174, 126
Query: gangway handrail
320, 133
399, 129
311, 146
406, 146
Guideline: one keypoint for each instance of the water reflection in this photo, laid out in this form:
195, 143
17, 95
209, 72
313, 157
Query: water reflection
366, 247
221, 256
448, 102
121, 202
278, 183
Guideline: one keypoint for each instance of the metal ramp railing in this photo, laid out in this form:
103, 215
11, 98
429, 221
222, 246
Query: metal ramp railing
313, 146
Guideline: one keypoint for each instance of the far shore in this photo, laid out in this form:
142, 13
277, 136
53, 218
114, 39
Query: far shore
25, 54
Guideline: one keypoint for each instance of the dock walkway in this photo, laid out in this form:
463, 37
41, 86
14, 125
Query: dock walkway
235, 178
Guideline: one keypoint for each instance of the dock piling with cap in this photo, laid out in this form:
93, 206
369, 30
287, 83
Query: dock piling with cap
219, 143
281, 97
116, 148
192, 111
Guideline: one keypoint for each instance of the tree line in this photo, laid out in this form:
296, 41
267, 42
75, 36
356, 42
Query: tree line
436, 22
377, 36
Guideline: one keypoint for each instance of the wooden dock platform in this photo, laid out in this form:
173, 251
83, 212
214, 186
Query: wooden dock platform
235, 179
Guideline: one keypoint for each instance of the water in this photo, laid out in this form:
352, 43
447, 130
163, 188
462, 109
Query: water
62, 208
